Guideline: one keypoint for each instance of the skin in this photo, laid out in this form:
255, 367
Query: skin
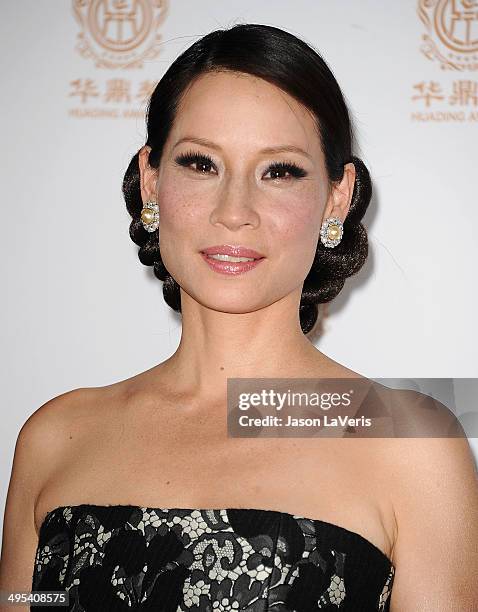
416, 500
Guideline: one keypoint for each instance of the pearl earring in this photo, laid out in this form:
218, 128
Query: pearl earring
150, 216
331, 232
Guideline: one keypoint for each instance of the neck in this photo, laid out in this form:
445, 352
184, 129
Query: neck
264, 343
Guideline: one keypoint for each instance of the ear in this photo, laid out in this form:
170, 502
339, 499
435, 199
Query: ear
340, 197
148, 175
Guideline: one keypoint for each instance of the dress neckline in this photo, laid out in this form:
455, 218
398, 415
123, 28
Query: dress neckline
353, 534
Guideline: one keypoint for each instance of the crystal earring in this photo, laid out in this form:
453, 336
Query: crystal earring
150, 216
331, 232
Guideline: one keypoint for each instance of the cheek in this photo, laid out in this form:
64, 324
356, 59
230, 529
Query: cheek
179, 210
181, 223
296, 234
297, 223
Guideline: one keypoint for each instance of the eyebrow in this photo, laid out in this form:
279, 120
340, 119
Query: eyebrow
268, 150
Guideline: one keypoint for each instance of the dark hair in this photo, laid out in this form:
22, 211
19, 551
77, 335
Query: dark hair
294, 66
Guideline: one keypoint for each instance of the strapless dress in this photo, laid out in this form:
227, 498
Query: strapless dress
117, 558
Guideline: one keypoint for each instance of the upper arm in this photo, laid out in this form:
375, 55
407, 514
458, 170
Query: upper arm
436, 508
37, 447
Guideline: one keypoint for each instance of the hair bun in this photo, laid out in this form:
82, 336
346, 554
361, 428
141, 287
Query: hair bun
331, 266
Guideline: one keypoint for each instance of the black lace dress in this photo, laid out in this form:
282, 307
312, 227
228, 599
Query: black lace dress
132, 558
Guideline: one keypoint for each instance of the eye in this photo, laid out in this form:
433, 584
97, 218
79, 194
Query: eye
203, 162
281, 168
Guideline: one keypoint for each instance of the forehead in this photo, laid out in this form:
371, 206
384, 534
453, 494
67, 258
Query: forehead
241, 110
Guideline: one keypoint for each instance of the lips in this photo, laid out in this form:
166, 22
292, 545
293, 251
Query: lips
232, 268
232, 250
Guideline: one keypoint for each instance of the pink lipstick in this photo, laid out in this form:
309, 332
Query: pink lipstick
231, 259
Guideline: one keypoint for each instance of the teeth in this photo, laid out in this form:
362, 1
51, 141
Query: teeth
222, 257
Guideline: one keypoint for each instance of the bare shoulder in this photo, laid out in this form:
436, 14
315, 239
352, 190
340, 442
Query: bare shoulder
433, 488
44, 439
38, 445
43, 428
80, 410
435, 500
43, 436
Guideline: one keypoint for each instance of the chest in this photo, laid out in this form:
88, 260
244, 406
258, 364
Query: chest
333, 480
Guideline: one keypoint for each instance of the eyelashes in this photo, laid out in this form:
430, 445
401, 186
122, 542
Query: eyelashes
202, 161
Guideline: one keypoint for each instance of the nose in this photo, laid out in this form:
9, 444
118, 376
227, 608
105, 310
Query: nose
235, 206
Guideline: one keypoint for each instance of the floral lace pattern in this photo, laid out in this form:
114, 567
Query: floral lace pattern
131, 558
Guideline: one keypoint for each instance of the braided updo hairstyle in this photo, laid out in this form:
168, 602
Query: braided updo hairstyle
295, 67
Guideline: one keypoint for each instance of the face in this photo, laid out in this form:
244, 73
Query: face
242, 166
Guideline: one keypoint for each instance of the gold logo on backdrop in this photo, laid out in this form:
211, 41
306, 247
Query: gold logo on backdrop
452, 37
119, 33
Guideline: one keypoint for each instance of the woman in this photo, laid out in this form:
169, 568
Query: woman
132, 496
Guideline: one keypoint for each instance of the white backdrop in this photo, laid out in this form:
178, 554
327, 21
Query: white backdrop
74, 290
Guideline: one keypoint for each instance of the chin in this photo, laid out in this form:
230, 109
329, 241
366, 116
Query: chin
233, 302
